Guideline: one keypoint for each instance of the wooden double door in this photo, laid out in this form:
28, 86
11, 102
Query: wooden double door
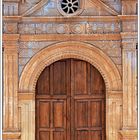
70, 102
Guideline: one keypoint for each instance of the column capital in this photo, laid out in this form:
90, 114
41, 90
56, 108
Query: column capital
128, 134
10, 37
129, 35
114, 95
11, 42
129, 40
11, 135
26, 96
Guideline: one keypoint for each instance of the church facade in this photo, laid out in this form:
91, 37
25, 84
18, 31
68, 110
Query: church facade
70, 69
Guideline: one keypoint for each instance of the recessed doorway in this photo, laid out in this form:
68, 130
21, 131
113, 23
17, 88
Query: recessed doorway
70, 102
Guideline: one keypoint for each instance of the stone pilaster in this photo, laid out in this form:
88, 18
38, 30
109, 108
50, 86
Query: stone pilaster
10, 91
27, 115
129, 53
114, 114
129, 7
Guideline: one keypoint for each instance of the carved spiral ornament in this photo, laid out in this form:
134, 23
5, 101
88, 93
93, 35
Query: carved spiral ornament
70, 6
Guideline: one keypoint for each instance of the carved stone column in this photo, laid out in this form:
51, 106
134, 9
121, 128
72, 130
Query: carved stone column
10, 94
129, 52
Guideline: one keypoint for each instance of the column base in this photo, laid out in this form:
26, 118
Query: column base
129, 134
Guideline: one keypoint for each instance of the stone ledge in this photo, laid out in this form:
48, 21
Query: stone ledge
11, 0
65, 37
44, 19
11, 135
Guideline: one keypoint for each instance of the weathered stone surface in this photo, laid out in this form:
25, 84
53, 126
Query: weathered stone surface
37, 32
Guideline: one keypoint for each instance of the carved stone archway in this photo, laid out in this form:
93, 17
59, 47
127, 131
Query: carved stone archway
63, 50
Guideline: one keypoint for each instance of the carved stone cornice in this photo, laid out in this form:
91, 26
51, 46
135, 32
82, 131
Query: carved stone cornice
129, 0
128, 17
11, 0
70, 19
59, 19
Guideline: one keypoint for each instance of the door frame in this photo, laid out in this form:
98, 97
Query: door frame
64, 50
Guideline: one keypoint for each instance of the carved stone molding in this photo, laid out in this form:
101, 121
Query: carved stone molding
56, 19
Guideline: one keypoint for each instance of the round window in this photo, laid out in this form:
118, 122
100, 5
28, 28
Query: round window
70, 6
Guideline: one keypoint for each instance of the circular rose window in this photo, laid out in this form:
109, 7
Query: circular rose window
70, 7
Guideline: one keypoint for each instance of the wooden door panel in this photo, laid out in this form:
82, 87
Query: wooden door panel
43, 83
89, 117
82, 135
59, 78
44, 114
97, 85
79, 77
81, 114
59, 135
96, 113
96, 135
44, 135
59, 114
51, 118
70, 102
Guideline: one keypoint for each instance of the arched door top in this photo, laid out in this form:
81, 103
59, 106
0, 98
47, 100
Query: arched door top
70, 49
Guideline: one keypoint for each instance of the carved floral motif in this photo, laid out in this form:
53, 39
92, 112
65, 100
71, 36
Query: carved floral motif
70, 28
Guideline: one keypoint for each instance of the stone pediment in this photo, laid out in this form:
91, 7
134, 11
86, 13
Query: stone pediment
84, 8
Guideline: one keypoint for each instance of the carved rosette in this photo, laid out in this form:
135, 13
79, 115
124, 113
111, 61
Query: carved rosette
70, 7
